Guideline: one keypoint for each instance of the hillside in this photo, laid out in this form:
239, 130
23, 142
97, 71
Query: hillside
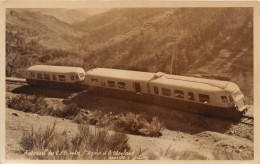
210, 40
47, 30
104, 26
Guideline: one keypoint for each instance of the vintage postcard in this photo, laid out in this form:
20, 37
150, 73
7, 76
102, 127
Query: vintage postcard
129, 80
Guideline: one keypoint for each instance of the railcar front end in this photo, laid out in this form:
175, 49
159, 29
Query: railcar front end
55, 77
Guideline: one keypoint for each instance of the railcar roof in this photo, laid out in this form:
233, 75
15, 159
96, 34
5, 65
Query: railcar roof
195, 83
55, 69
121, 74
163, 79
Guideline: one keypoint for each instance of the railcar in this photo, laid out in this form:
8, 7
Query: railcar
119, 83
57, 77
210, 97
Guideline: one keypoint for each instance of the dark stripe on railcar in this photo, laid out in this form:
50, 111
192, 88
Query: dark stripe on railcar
176, 104
117, 93
55, 84
208, 110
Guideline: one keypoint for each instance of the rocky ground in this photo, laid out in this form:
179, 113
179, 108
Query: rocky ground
201, 137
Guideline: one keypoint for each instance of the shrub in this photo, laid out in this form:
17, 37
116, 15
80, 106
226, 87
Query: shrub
81, 118
125, 123
27, 103
39, 140
156, 127
136, 124
36, 104
99, 141
86, 140
70, 110
21, 102
28, 141
43, 139
40, 107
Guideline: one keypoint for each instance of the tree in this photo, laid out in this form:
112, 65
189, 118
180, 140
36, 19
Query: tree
11, 63
14, 63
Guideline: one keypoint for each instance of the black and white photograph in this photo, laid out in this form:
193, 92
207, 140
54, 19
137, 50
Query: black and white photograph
129, 83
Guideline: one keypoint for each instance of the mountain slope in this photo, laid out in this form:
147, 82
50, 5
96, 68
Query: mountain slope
206, 37
210, 40
104, 26
47, 30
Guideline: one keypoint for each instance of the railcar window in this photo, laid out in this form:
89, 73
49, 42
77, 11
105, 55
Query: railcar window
77, 77
191, 96
39, 76
32, 74
62, 78
224, 99
111, 83
121, 85
179, 94
103, 83
166, 92
46, 76
230, 98
93, 80
156, 90
204, 98
81, 75
71, 77
54, 77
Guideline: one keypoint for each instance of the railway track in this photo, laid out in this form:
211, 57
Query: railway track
15, 80
248, 120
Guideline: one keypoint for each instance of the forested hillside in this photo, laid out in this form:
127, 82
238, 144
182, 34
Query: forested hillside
209, 40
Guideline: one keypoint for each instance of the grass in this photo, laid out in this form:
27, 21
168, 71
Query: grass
231, 154
217, 154
172, 154
85, 144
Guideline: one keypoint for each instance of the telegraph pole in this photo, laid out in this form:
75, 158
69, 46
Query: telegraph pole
174, 40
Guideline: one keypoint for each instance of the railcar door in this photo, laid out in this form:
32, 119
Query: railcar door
137, 88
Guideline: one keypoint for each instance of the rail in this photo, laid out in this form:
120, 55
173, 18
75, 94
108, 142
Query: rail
14, 79
248, 120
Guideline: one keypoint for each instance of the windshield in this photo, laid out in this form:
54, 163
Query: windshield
236, 94
81, 75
